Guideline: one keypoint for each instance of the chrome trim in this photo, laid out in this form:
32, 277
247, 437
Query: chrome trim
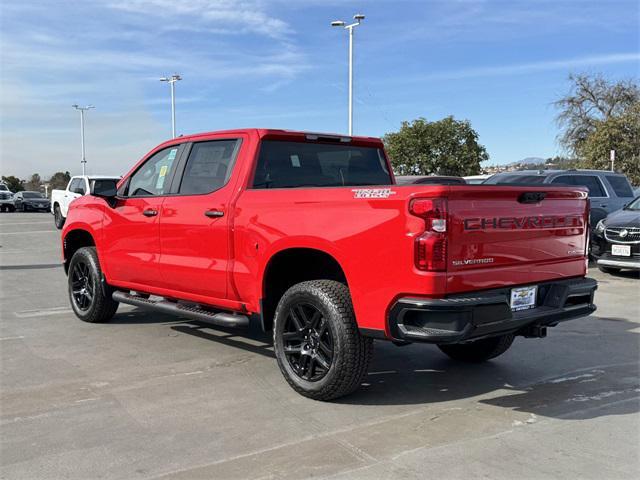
618, 263
617, 230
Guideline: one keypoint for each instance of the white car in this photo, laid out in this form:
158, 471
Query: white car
6, 199
476, 179
77, 187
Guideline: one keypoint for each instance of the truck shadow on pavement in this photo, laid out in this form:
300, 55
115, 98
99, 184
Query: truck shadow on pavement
580, 373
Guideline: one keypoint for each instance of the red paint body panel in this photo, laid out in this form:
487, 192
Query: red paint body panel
183, 254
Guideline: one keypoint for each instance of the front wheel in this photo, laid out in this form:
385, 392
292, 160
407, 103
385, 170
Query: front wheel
87, 297
480, 350
58, 218
318, 346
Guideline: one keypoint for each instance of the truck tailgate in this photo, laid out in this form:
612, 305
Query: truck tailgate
501, 236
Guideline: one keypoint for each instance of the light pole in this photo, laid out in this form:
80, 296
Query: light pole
172, 80
339, 23
82, 110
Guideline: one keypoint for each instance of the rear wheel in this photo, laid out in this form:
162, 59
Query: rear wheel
318, 346
480, 350
57, 217
87, 297
608, 269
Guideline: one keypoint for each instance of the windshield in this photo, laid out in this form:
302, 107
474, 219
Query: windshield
285, 164
32, 195
635, 205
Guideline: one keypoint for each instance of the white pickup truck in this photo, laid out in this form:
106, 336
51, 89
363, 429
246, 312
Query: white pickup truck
78, 186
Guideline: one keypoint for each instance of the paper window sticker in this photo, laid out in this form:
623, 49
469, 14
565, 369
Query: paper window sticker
295, 160
172, 154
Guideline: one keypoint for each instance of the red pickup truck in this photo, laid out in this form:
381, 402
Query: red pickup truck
309, 234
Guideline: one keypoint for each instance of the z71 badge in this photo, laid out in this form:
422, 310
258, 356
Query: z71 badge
372, 192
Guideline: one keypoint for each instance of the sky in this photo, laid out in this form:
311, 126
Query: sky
279, 64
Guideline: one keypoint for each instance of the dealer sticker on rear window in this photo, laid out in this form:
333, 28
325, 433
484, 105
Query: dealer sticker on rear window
372, 192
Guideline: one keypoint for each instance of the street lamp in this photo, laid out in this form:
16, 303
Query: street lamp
82, 110
339, 23
172, 80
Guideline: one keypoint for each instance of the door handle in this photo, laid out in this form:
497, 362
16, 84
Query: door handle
150, 213
214, 213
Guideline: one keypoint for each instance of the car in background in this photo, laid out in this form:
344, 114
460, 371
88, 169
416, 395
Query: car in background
31, 201
608, 191
477, 179
616, 240
429, 180
77, 187
6, 200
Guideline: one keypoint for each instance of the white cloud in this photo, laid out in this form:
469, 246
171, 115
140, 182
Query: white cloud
230, 16
530, 67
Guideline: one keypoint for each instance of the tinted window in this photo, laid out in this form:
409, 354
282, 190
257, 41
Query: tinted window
620, 185
298, 164
209, 166
589, 181
32, 195
527, 179
77, 186
154, 175
440, 181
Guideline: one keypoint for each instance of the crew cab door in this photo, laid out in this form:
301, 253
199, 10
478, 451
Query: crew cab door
131, 245
194, 225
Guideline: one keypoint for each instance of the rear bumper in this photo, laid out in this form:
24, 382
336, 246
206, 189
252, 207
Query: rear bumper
466, 317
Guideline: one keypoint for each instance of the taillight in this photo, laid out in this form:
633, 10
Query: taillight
431, 246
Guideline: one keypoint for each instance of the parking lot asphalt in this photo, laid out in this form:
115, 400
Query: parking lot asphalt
153, 396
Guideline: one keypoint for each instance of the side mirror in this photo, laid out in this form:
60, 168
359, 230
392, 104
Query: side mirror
106, 189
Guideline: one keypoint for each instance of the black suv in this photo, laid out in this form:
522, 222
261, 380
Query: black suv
608, 191
616, 240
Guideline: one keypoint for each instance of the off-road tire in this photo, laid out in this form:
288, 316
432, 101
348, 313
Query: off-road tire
58, 219
480, 350
102, 307
351, 351
610, 270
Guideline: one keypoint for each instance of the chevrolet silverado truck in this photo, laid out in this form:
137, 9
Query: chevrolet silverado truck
309, 235
61, 199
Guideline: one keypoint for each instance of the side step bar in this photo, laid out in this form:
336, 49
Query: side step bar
221, 319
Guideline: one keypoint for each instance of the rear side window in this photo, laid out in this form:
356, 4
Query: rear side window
620, 186
284, 164
154, 176
590, 181
77, 186
209, 166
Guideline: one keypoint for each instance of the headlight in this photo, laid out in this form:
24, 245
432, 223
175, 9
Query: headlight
600, 226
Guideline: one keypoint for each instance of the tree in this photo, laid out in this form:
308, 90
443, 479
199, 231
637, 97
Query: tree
59, 180
620, 133
444, 147
591, 101
34, 183
13, 183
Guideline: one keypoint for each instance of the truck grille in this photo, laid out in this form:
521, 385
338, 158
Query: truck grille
622, 234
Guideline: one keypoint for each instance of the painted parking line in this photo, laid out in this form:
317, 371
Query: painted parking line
30, 267
42, 312
27, 231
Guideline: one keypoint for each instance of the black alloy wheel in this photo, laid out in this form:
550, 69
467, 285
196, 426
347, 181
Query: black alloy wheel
308, 342
82, 285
